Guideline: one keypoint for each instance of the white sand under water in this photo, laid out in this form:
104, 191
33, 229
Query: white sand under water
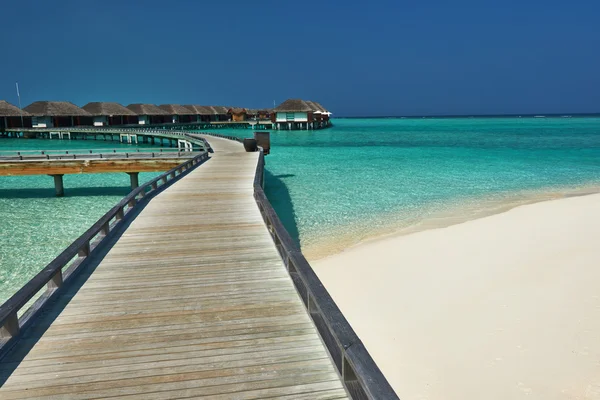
502, 307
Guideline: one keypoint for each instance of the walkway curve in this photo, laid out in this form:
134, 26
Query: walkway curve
192, 301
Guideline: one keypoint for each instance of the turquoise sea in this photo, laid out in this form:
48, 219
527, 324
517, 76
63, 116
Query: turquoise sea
336, 187
36, 226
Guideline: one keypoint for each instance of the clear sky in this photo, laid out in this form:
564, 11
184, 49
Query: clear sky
372, 57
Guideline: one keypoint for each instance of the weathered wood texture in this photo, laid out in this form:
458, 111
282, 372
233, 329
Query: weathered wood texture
86, 165
192, 301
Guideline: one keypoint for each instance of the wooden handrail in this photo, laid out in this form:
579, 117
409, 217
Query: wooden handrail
66, 264
166, 133
136, 155
234, 138
360, 374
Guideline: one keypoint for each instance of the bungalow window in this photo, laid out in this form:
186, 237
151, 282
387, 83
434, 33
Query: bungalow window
289, 116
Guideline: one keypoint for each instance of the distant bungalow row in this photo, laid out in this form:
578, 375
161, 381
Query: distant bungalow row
292, 114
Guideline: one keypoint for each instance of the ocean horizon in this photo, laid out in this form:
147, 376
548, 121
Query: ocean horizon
337, 187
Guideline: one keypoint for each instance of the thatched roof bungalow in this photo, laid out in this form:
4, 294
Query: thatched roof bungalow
49, 114
178, 113
149, 114
109, 114
300, 114
319, 112
13, 117
293, 114
203, 113
237, 114
221, 113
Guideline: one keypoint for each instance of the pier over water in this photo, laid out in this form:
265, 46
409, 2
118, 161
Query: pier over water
194, 290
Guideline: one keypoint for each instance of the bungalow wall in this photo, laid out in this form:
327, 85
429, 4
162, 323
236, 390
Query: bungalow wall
42, 122
293, 117
160, 119
100, 120
186, 119
238, 117
114, 120
14, 122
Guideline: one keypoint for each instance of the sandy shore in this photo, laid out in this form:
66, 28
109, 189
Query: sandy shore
502, 307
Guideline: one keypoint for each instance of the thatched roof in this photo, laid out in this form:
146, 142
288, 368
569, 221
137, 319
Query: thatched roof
55, 109
146, 109
321, 108
199, 110
176, 109
8, 110
220, 109
101, 108
293, 105
237, 111
312, 105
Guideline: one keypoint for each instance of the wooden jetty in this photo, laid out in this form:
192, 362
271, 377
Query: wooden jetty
190, 287
79, 163
172, 137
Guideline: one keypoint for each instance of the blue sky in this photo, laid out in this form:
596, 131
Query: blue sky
355, 57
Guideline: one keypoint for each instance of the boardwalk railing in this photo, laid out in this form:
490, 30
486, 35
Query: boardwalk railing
234, 138
361, 376
165, 133
13, 153
48, 282
74, 155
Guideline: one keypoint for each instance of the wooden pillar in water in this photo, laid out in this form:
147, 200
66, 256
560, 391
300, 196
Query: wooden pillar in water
134, 179
58, 185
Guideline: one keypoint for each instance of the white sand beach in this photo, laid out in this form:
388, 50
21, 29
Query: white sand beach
502, 307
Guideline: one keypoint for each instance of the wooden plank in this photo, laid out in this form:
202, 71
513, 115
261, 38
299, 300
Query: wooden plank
81, 166
192, 301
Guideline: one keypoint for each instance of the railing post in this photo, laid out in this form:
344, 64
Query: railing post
56, 281
11, 326
105, 230
84, 251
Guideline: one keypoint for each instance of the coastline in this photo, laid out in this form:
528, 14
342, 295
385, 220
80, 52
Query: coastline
343, 239
503, 306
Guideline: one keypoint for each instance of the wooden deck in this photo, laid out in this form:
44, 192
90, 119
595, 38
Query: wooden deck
93, 163
192, 301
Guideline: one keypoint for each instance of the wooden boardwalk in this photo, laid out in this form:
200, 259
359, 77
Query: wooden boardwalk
192, 301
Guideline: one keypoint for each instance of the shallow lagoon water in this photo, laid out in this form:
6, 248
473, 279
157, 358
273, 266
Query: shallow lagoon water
36, 226
365, 177
336, 187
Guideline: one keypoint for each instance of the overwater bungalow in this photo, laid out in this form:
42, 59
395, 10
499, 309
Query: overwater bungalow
110, 114
178, 114
293, 114
237, 114
57, 114
149, 114
203, 113
320, 115
264, 114
221, 113
13, 117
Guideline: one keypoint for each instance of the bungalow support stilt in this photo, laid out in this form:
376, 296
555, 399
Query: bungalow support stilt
134, 179
58, 185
